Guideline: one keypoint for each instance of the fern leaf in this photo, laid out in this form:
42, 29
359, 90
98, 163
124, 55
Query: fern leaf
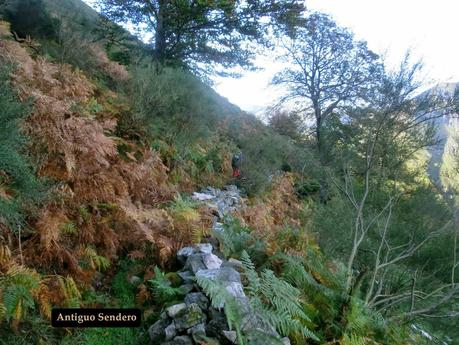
221, 298
95, 261
43, 301
162, 287
70, 291
17, 300
251, 274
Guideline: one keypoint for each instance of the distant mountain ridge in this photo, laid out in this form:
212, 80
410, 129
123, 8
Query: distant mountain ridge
447, 125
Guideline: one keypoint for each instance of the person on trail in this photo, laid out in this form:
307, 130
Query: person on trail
236, 164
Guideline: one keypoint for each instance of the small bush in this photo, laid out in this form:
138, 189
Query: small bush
306, 188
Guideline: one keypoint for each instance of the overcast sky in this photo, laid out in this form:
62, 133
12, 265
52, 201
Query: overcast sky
429, 28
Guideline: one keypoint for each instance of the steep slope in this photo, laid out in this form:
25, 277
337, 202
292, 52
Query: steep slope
112, 185
115, 146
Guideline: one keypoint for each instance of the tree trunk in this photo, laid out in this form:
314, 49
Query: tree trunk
160, 35
319, 123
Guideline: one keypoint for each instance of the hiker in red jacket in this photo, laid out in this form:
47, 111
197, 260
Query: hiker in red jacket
236, 165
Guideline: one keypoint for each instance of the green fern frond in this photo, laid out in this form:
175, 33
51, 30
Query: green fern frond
234, 239
221, 298
295, 273
259, 337
299, 273
18, 288
84, 213
353, 339
276, 301
95, 261
251, 274
198, 234
70, 291
162, 287
362, 320
69, 228
2, 308
17, 300
183, 203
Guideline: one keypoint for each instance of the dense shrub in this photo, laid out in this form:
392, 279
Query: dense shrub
30, 18
18, 185
306, 188
174, 106
266, 153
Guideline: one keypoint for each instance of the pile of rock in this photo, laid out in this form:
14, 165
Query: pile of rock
222, 201
195, 321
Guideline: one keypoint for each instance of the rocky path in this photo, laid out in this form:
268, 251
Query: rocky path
195, 321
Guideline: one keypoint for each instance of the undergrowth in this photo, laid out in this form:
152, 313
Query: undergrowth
302, 295
122, 296
19, 187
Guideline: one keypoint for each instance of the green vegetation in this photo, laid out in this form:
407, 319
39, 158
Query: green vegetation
359, 247
124, 295
163, 289
19, 187
174, 107
217, 33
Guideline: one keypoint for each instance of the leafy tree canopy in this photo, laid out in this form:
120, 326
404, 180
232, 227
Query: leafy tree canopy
326, 69
221, 33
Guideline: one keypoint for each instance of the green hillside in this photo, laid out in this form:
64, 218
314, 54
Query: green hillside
340, 236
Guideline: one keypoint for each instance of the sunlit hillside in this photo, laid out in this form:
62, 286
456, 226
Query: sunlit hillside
127, 181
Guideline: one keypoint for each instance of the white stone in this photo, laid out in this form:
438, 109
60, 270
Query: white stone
235, 263
212, 261
185, 251
173, 310
170, 331
218, 227
205, 248
285, 341
201, 196
231, 336
235, 289
208, 274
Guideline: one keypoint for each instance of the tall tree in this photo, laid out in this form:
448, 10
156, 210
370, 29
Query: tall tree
193, 31
377, 152
289, 124
327, 69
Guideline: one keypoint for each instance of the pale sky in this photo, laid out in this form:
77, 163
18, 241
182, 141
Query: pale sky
429, 28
